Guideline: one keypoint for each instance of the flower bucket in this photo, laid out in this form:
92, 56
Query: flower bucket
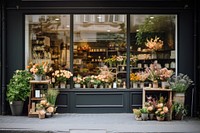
160, 118
135, 85
38, 77
155, 84
164, 84
95, 86
141, 84
62, 85
77, 85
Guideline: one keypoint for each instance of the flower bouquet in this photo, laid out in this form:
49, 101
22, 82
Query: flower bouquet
154, 73
154, 44
38, 69
77, 81
165, 74
61, 76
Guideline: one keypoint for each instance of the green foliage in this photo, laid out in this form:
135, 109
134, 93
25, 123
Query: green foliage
144, 110
137, 112
19, 86
51, 96
179, 108
152, 27
179, 83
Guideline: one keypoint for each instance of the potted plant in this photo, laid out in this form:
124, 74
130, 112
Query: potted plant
144, 113
77, 81
47, 107
61, 77
179, 111
179, 84
137, 114
18, 90
38, 69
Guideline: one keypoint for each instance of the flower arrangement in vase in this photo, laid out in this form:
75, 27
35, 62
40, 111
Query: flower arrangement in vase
165, 74
154, 73
105, 75
134, 78
77, 81
161, 109
142, 77
62, 76
38, 69
154, 44
95, 81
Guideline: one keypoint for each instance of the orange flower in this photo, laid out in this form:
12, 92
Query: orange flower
165, 109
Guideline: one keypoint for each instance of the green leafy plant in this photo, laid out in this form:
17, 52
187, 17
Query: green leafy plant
179, 83
144, 110
51, 96
137, 112
179, 109
19, 86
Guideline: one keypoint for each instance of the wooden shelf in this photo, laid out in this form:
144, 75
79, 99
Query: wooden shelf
39, 82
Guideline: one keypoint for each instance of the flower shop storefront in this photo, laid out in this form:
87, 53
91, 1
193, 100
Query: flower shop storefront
100, 61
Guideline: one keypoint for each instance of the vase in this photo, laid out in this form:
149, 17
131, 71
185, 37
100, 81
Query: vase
38, 77
160, 118
151, 116
155, 84
95, 86
88, 85
84, 86
141, 84
62, 84
135, 85
164, 85
77, 85
101, 86
144, 116
153, 55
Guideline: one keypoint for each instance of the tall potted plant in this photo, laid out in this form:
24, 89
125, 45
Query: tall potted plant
179, 85
18, 90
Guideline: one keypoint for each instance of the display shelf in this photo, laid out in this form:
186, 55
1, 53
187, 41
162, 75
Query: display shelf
35, 95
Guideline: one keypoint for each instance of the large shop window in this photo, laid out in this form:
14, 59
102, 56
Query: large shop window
103, 54
47, 39
152, 49
99, 46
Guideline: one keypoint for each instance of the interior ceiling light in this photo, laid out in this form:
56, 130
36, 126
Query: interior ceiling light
137, 30
151, 17
67, 26
108, 30
57, 19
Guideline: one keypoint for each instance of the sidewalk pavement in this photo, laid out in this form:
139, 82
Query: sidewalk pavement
94, 123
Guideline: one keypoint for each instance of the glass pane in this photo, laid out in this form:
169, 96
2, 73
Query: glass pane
153, 41
47, 39
100, 41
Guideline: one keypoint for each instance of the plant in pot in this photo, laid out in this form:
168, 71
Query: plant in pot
18, 90
144, 113
179, 111
179, 85
137, 114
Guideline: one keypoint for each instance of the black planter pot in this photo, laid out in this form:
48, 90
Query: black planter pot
16, 107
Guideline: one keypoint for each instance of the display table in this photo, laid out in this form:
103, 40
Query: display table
147, 89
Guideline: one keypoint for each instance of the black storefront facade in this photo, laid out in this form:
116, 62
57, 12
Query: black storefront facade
104, 100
